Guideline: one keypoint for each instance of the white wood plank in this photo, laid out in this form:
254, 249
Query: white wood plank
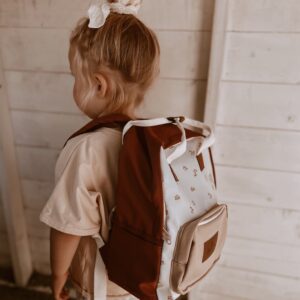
256, 264
264, 15
36, 88
156, 14
21, 49
186, 15
262, 57
258, 148
184, 54
243, 284
174, 97
55, 13
258, 187
47, 130
250, 248
36, 193
260, 256
278, 105
37, 163
41, 91
264, 224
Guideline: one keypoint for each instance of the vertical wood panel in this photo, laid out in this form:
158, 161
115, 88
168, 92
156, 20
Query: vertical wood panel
257, 151
12, 194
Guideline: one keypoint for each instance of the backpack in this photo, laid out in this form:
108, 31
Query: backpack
167, 229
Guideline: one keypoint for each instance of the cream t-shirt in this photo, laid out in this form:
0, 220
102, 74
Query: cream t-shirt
81, 202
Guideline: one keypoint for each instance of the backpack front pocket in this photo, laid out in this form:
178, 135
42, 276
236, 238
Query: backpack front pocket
198, 247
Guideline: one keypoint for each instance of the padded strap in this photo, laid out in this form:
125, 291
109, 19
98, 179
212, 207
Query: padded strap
110, 120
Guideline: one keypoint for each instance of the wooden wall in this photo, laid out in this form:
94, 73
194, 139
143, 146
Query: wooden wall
5, 259
257, 127
34, 43
257, 154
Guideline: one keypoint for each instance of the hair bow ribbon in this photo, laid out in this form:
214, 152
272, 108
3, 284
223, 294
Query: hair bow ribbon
99, 10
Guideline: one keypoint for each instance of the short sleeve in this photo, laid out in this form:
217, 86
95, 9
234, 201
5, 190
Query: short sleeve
73, 206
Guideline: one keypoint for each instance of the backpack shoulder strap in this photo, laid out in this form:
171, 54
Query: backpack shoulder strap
110, 120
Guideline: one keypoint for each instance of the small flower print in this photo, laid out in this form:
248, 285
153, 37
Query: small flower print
192, 210
192, 152
177, 197
193, 202
210, 195
195, 172
193, 188
185, 168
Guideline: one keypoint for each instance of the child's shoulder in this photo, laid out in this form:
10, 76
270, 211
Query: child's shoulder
87, 142
91, 147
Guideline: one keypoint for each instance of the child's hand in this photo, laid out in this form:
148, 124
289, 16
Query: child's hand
58, 290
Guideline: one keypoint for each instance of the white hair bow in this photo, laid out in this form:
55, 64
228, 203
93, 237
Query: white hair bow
100, 9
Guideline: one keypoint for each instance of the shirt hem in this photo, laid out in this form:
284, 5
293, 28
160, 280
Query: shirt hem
79, 232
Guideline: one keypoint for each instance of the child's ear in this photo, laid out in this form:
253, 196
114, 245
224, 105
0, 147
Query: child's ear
101, 82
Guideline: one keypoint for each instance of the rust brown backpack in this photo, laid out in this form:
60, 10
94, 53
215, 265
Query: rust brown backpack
167, 229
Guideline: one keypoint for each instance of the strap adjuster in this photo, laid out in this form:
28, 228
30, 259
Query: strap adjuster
179, 118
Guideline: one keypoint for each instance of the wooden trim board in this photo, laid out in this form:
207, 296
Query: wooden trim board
216, 61
12, 194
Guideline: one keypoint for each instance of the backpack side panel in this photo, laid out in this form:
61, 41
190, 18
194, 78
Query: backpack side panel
133, 252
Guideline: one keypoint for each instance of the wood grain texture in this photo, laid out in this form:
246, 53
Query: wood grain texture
190, 15
180, 51
258, 148
11, 194
31, 129
262, 57
37, 163
278, 105
261, 256
264, 188
52, 92
264, 15
236, 283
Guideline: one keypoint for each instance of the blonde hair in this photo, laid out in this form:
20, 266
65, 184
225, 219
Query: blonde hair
124, 50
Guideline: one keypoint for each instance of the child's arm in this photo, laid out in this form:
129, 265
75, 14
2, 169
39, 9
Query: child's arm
62, 249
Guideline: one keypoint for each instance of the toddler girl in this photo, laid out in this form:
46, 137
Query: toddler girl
114, 59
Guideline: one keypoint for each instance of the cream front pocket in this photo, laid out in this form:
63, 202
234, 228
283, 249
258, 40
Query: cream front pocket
198, 247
